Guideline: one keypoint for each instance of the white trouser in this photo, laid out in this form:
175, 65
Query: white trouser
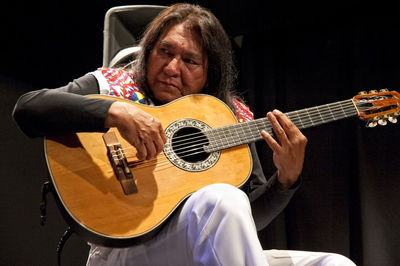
213, 227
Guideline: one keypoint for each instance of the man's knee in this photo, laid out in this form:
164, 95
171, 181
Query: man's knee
225, 197
217, 200
333, 259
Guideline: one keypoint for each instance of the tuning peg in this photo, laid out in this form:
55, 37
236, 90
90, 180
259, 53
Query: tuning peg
371, 124
373, 91
392, 119
382, 122
383, 90
362, 93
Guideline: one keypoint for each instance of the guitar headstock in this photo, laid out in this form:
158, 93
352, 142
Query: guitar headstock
378, 107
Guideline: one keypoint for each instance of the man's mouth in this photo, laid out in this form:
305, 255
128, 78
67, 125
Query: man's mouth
173, 86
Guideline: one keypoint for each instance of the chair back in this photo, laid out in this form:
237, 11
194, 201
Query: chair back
123, 27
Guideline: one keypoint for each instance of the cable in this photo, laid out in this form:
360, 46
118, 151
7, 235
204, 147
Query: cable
67, 234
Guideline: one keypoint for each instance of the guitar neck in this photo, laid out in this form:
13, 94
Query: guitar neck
248, 132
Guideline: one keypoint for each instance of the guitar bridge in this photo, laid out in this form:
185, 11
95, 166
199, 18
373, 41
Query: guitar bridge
119, 163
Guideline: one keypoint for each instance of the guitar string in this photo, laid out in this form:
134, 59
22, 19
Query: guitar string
184, 145
159, 161
247, 129
315, 118
312, 112
165, 161
149, 163
200, 135
200, 149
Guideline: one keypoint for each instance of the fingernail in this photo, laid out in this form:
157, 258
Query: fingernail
276, 111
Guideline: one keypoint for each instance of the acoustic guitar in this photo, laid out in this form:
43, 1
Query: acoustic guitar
111, 198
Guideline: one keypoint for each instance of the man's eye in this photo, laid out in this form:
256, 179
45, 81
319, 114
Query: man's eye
190, 61
164, 51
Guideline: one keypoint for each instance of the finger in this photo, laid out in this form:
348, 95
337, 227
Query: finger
161, 136
141, 151
158, 135
159, 144
150, 149
271, 142
278, 130
289, 127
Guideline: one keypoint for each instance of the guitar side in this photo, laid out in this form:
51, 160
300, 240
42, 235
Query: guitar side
92, 197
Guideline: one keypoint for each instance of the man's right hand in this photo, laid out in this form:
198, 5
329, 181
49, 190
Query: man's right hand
139, 128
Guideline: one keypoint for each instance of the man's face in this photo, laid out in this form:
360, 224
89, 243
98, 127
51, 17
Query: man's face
177, 65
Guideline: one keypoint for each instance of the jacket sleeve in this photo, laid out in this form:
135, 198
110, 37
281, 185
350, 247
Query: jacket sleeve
49, 112
267, 197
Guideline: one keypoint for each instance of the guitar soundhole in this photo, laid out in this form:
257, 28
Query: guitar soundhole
188, 143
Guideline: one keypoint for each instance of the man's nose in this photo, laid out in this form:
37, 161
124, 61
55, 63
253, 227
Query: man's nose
173, 67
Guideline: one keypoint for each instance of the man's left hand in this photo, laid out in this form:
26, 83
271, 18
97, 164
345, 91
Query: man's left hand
288, 148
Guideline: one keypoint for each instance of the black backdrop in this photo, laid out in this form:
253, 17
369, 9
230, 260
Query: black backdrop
289, 56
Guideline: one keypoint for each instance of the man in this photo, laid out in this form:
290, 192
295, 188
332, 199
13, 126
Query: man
184, 51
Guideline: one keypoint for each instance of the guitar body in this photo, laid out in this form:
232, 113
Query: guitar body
90, 193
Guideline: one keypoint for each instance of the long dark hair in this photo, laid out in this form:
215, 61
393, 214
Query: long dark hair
222, 73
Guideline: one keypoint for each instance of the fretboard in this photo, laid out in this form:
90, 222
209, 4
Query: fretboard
248, 132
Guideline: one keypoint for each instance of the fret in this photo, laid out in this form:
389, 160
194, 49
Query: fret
297, 121
259, 125
320, 115
316, 117
306, 120
247, 131
218, 140
226, 138
254, 135
308, 113
330, 111
344, 113
239, 131
326, 114
263, 124
250, 131
212, 140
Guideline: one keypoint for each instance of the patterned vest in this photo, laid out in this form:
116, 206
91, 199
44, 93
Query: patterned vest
119, 83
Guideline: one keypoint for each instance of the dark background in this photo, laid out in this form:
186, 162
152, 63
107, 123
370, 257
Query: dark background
292, 56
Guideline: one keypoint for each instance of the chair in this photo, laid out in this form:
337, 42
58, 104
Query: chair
123, 26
